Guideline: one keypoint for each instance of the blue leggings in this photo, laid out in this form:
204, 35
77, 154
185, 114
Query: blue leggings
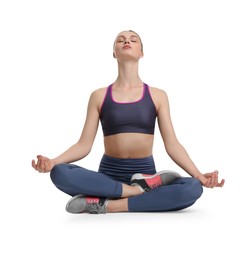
107, 182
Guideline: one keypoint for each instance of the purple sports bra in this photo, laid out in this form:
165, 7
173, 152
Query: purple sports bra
132, 117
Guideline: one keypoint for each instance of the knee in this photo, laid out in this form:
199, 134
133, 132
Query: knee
57, 173
195, 189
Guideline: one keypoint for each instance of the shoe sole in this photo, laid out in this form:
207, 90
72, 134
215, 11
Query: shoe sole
140, 176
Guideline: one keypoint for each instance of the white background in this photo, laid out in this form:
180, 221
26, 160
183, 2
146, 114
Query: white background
53, 54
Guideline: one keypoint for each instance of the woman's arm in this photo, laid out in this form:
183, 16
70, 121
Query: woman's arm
83, 147
80, 149
173, 147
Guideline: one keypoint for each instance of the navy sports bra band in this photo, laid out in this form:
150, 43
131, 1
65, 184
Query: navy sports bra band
128, 117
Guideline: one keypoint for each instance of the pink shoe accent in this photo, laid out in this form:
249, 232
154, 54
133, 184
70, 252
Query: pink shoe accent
91, 200
154, 182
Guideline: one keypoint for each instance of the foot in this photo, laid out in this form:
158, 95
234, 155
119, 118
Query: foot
84, 204
152, 181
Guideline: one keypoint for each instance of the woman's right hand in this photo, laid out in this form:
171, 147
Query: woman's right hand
210, 180
43, 164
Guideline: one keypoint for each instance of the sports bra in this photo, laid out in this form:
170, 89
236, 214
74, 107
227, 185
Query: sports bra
130, 117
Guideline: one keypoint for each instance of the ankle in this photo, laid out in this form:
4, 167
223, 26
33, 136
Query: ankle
131, 191
119, 205
140, 189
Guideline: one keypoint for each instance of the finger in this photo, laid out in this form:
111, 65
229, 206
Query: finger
205, 183
39, 165
45, 165
222, 181
40, 162
221, 184
212, 181
216, 182
208, 183
208, 174
33, 164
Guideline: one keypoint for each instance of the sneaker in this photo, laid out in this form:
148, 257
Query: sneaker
83, 204
152, 181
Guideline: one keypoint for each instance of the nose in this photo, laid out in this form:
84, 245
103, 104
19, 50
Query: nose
126, 42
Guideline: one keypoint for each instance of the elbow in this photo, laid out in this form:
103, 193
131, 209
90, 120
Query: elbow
171, 147
87, 151
84, 149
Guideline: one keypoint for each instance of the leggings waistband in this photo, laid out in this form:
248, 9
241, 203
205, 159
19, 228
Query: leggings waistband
122, 169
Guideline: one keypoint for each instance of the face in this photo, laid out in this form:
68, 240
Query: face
127, 45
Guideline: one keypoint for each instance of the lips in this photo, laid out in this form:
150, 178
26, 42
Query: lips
127, 47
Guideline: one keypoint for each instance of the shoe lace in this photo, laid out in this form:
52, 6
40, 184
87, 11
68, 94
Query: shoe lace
93, 208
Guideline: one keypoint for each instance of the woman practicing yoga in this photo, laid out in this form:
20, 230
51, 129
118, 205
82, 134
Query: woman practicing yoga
126, 179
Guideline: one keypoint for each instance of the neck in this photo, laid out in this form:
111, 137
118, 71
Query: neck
128, 75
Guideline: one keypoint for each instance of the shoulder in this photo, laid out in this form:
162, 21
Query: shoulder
157, 91
97, 97
158, 95
98, 94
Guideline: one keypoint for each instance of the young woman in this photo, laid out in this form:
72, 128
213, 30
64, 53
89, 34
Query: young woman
127, 179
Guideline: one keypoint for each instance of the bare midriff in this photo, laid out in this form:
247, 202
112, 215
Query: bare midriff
129, 145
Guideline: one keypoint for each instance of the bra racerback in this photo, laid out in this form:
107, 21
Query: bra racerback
131, 117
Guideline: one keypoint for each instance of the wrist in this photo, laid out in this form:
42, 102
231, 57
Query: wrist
197, 175
55, 161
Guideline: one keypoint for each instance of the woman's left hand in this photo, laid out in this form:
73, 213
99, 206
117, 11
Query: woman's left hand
213, 180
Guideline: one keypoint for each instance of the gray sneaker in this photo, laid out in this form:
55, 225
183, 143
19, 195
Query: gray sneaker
85, 204
152, 181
